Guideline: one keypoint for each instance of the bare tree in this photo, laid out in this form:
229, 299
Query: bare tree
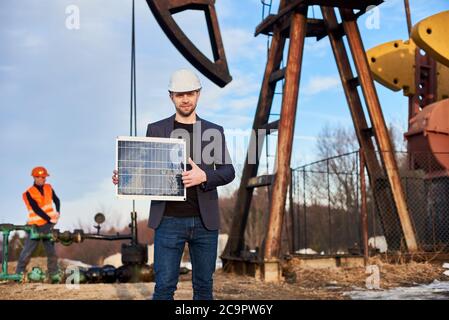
339, 168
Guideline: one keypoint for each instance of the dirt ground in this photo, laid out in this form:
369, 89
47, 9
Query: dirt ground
301, 283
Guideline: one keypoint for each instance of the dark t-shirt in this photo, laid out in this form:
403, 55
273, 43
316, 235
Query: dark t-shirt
190, 207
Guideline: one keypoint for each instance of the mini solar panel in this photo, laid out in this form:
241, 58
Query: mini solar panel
150, 168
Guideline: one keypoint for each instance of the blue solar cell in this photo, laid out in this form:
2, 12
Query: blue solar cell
151, 168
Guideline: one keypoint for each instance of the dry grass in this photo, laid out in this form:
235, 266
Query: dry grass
330, 283
391, 275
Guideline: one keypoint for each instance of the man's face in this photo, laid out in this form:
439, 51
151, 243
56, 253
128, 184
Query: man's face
185, 102
40, 181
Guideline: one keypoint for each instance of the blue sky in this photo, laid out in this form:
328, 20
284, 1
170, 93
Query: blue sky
64, 94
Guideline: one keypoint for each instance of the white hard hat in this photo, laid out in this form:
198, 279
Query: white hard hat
184, 80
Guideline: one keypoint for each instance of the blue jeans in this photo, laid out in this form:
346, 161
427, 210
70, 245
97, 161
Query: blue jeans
169, 240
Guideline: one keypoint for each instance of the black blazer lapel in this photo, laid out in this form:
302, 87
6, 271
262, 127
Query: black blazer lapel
169, 125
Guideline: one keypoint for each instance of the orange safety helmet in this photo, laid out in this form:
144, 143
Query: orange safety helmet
39, 172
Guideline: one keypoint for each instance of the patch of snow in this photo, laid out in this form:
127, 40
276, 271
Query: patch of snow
114, 260
187, 265
74, 263
306, 251
437, 290
446, 266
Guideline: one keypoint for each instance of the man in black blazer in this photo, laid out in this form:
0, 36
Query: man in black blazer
195, 221
205, 176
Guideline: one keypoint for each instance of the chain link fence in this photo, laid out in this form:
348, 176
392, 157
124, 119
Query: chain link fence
326, 206
427, 191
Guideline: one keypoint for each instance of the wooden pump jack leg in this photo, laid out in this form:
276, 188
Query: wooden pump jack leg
292, 22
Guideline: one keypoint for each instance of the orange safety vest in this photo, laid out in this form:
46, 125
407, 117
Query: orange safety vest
45, 202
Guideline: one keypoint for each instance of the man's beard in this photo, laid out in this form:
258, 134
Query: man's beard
185, 113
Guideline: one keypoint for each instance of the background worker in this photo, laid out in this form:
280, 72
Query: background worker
39, 200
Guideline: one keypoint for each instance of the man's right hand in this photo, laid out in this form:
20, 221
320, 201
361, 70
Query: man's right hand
115, 177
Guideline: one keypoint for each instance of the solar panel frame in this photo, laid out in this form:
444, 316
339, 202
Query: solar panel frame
181, 142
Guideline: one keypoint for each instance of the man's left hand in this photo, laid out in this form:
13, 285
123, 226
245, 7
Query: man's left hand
193, 177
55, 220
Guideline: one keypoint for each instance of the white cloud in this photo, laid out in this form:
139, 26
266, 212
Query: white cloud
392, 14
244, 103
193, 24
241, 95
326, 116
32, 41
240, 44
230, 121
317, 48
318, 84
